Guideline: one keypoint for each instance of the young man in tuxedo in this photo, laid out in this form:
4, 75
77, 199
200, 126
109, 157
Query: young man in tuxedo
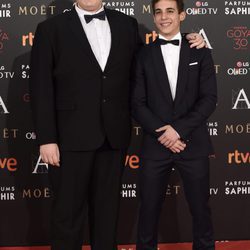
174, 94
80, 72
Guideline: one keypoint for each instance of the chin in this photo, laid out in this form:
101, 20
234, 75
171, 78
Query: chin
166, 33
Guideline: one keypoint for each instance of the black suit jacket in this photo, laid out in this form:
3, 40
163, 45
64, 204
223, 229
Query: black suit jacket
196, 97
75, 103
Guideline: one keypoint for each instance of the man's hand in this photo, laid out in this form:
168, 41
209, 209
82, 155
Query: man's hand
196, 40
169, 137
50, 154
178, 146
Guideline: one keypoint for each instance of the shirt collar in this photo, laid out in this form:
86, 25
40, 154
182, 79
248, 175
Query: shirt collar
177, 36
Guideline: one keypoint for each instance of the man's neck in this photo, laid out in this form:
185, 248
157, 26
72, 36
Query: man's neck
93, 11
169, 37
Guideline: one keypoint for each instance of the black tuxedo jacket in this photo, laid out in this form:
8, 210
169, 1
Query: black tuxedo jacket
196, 97
75, 103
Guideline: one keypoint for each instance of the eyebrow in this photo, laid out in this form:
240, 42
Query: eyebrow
165, 9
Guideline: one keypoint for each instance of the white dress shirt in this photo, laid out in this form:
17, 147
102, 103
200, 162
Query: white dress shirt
171, 56
98, 34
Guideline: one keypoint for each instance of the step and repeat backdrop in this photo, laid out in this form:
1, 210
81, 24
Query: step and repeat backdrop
25, 196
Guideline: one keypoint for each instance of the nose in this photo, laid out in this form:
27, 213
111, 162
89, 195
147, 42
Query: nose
164, 16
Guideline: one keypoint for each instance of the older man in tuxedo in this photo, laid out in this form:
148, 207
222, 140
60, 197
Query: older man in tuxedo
80, 72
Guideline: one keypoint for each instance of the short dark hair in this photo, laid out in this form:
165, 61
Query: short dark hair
180, 5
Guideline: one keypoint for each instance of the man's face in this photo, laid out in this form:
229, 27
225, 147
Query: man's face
167, 18
89, 5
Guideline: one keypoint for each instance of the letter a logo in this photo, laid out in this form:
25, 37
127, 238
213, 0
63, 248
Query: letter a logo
241, 101
5, 111
40, 167
203, 33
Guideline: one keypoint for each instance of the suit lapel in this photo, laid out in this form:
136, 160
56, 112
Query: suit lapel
115, 38
182, 70
77, 29
161, 72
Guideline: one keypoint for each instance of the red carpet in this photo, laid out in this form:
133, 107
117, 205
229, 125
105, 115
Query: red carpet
232, 245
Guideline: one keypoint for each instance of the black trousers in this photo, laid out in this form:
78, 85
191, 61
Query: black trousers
154, 177
86, 179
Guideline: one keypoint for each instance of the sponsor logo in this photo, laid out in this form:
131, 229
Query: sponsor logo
213, 191
146, 9
3, 108
128, 191
39, 167
6, 74
7, 193
173, 189
137, 130
5, 10
212, 128
68, 9
36, 193
237, 7
240, 68
8, 164
240, 99
126, 7
27, 40
25, 68
240, 36
237, 157
3, 38
132, 161
204, 35
9, 133
33, 10
217, 68
150, 37
202, 8
237, 187
237, 128
30, 136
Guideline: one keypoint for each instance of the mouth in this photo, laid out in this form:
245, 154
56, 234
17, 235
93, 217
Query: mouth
165, 24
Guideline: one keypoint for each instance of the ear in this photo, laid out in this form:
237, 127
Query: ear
182, 16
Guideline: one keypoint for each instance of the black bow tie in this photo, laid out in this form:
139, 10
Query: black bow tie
174, 42
101, 15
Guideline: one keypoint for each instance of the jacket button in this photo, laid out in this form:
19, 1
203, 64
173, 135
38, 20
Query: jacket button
104, 77
104, 100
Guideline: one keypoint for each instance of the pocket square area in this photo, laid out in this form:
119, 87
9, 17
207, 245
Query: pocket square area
194, 63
